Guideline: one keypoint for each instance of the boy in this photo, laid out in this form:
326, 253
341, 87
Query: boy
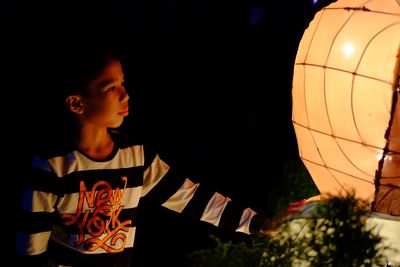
80, 203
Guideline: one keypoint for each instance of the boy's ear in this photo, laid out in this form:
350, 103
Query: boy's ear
74, 103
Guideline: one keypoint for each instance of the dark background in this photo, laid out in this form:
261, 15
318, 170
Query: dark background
209, 83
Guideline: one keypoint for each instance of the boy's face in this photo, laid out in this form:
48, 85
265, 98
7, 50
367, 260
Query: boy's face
106, 101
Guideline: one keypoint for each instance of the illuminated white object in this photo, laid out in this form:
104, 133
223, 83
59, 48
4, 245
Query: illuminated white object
346, 103
386, 226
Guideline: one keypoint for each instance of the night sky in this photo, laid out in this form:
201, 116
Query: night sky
209, 83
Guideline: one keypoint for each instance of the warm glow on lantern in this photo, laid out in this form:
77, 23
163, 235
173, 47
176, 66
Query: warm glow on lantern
346, 104
348, 49
346, 107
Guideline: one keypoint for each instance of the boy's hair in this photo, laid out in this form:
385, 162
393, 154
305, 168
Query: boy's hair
67, 70
79, 65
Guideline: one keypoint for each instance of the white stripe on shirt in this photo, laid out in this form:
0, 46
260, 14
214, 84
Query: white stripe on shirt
130, 198
215, 208
33, 244
75, 161
245, 220
182, 197
153, 174
37, 201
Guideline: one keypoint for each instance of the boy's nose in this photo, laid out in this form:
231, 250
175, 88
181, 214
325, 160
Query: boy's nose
124, 95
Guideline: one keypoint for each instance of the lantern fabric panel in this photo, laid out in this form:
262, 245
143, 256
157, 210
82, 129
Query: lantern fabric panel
345, 108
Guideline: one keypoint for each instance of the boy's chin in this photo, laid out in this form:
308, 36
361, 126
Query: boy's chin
116, 124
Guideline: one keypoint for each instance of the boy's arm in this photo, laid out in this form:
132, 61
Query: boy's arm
174, 191
35, 213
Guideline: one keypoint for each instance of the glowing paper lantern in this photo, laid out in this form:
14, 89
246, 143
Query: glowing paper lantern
346, 102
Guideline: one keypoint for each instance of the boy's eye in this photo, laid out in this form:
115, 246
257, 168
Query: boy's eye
114, 87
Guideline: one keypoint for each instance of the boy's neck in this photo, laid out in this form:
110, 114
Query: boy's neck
97, 145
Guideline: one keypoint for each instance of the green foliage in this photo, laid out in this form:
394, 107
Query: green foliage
230, 254
335, 235
295, 184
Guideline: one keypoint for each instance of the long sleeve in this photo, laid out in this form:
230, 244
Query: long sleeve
36, 214
176, 192
81, 212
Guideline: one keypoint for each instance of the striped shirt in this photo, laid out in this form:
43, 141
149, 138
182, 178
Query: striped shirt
82, 212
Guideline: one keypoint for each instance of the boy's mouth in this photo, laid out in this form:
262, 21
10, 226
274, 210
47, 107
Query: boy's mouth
124, 113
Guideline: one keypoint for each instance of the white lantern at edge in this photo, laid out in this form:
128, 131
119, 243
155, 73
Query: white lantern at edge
346, 101
346, 107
